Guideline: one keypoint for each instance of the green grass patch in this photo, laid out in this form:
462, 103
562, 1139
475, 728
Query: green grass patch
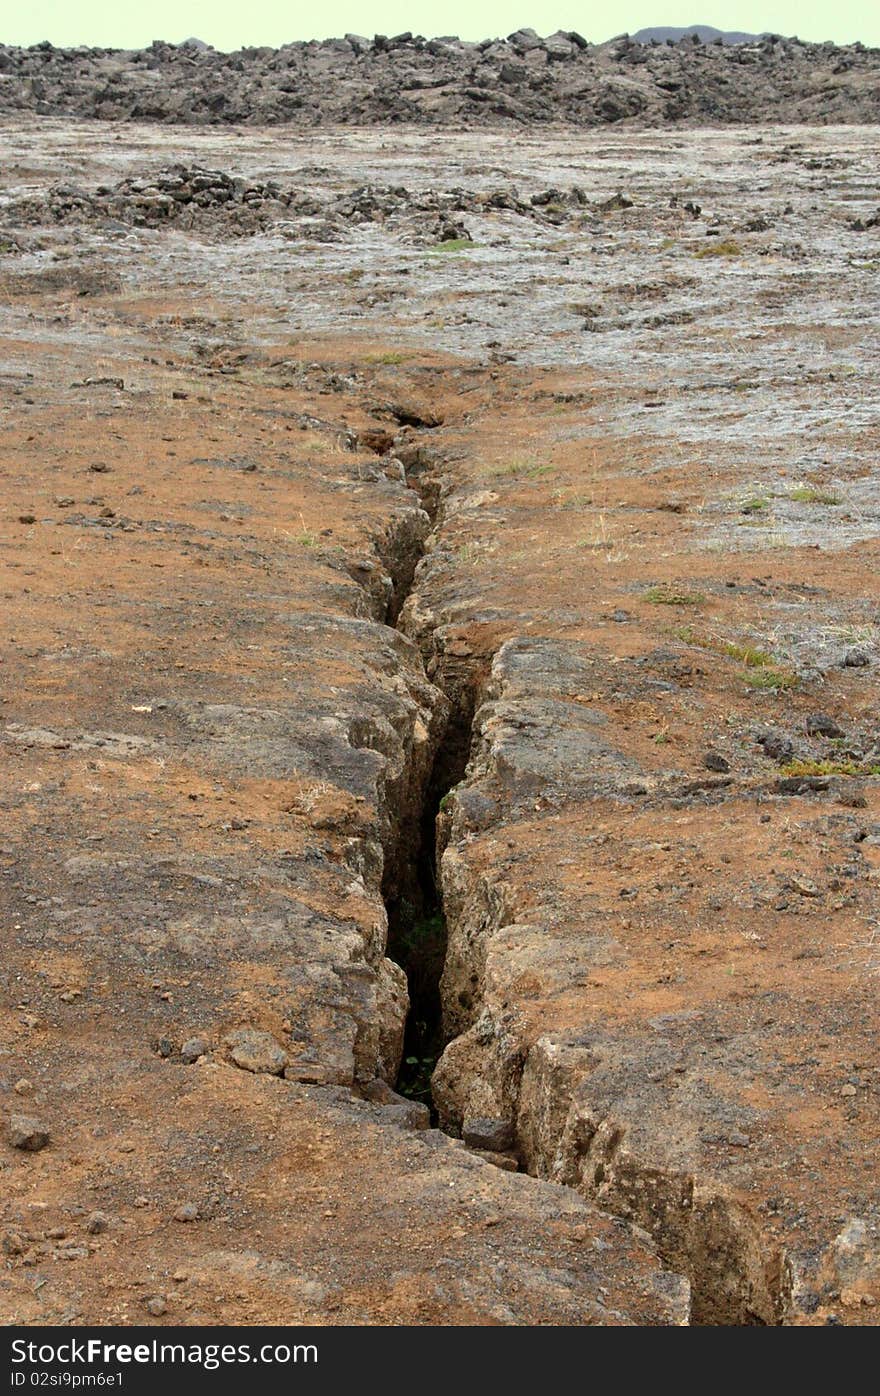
452, 245
519, 468
824, 768
727, 248
773, 679
756, 505
750, 655
390, 357
808, 494
667, 595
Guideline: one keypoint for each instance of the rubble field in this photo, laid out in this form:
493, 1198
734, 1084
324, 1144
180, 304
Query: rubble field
522, 80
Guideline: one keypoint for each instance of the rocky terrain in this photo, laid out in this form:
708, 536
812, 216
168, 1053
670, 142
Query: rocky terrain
438, 726
522, 79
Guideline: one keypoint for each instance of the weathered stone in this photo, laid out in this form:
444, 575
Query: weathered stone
408, 1114
823, 725
193, 1048
25, 1132
482, 1132
255, 1050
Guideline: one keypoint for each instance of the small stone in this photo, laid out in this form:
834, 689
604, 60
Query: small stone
485, 1132
408, 1114
257, 1051
823, 725
380, 1093
777, 746
155, 1305
714, 761
856, 659
27, 1133
851, 796
804, 886
848, 1090
853, 1299
12, 1243
508, 1162
27, 518
192, 1049
23, 1087
97, 1223
188, 1212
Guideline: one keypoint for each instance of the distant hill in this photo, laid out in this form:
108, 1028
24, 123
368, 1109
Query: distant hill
705, 32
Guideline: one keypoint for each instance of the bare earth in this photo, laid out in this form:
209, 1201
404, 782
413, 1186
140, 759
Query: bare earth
528, 482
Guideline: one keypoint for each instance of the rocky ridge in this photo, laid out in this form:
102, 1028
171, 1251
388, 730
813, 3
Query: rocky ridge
522, 79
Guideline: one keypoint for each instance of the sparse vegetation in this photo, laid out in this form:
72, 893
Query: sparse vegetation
823, 768
420, 944
756, 505
520, 467
773, 679
389, 357
668, 595
452, 245
750, 655
307, 538
726, 248
809, 494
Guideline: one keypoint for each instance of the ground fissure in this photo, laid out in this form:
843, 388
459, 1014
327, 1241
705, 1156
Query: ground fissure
533, 1118
244, 671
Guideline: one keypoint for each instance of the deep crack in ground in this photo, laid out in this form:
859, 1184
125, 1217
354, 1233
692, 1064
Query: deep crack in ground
734, 1276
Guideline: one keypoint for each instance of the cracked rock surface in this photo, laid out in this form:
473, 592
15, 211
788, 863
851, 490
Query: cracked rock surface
558, 532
